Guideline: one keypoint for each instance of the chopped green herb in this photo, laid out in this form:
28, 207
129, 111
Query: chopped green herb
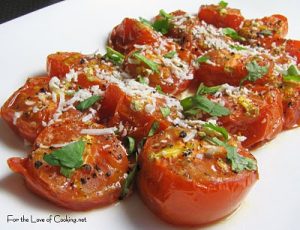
171, 54
255, 72
266, 32
223, 4
159, 89
217, 129
202, 59
129, 144
165, 111
162, 25
145, 21
142, 80
136, 105
151, 64
293, 75
114, 55
68, 157
87, 103
153, 129
129, 181
202, 89
237, 47
233, 34
195, 104
238, 162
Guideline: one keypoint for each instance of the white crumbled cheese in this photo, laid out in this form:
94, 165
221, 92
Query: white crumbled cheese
29, 103
106, 146
72, 75
17, 115
54, 84
60, 145
199, 156
87, 117
149, 108
96, 90
35, 109
190, 135
241, 138
104, 131
54, 97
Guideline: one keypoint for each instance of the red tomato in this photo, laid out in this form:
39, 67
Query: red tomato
96, 183
24, 111
291, 105
231, 68
257, 116
130, 32
184, 184
228, 17
118, 108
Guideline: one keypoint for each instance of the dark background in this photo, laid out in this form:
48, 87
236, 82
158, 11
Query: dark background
10, 9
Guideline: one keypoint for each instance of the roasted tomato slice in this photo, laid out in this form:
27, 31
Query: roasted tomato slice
94, 183
275, 26
167, 66
28, 107
131, 32
229, 67
187, 181
221, 17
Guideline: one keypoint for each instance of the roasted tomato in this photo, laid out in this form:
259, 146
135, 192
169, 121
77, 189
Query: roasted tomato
96, 180
256, 113
231, 67
189, 181
131, 32
291, 105
167, 66
275, 26
220, 16
28, 107
136, 114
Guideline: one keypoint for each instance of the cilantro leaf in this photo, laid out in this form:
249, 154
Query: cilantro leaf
142, 80
255, 72
68, 157
238, 162
153, 129
293, 75
87, 103
217, 129
195, 104
151, 64
223, 4
159, 89
129, 143
171, 54
202, 59
232, 34
165, 111
266, 32
202, 89
237, 47
162, 25
145, 22
114, 55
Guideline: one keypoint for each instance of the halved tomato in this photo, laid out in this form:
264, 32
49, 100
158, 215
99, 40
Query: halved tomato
96, 182
189, 181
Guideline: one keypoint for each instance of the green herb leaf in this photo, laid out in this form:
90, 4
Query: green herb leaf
159, 89
153, 129
129, 181
68, 157
136, 105
217, 129
202, 89
87, 103
67, 172
255, 72
151, 64
202, 59
165, 111
266, 32
223, 4
162, 25
237, 47
293, 75
233, 34
238, 162
129, 144
145, 22
171, 54
114, 55
142, 80
194, 105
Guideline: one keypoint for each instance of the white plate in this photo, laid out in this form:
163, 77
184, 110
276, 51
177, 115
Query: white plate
83, 26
